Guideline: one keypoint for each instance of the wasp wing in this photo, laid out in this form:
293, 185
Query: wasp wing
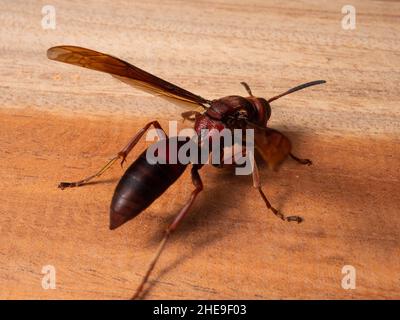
125, 72
272, 145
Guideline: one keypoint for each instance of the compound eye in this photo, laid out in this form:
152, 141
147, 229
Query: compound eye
267, 112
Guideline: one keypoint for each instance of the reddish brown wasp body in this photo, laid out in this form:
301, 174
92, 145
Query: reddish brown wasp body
143, 182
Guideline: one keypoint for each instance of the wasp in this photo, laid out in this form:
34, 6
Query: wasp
143, 182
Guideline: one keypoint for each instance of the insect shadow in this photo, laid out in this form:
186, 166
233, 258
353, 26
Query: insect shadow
205, 209
208, 233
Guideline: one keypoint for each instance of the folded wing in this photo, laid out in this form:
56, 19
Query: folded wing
125, 72
272, 145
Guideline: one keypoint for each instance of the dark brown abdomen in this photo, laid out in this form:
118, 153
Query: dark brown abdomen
139, 187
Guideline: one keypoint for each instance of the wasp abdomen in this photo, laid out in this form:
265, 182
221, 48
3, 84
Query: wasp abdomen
140, 186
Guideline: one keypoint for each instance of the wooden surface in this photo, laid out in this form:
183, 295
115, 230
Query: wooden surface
60, 122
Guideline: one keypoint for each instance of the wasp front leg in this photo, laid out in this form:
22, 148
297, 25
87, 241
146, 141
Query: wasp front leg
257, 185
190, 115
301, 161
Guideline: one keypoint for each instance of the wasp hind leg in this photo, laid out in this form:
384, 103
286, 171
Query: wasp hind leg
198, 184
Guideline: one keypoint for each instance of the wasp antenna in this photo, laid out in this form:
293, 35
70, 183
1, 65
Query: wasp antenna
246, 86
300, 87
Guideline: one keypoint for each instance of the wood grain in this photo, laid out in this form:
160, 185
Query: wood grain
61, 122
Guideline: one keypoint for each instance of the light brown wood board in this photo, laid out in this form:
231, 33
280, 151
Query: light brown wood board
60, 122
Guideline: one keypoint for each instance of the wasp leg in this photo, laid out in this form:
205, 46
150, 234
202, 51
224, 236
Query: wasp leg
172, 227
257, 185
190, 115
302, 161
218, 163
240, 155
120, 155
